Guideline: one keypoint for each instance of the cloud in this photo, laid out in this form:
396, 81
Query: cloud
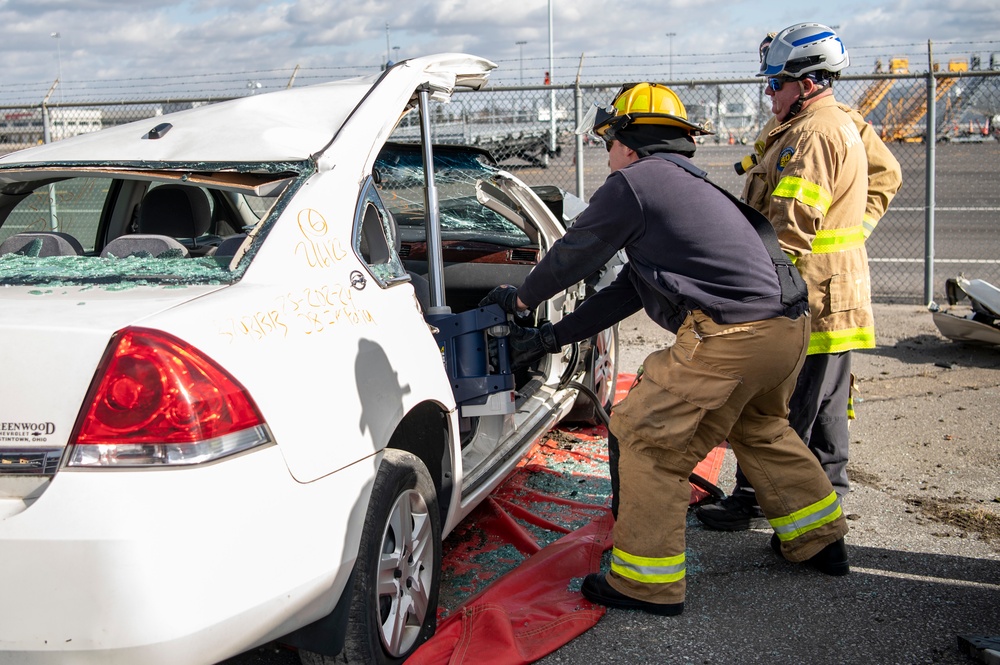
142, 40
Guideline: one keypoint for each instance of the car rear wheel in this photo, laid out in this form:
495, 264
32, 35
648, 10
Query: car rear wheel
397, 574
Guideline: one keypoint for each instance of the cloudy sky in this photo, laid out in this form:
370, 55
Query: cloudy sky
142, 47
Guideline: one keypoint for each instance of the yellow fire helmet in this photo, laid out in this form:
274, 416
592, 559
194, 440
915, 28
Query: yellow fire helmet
641, 104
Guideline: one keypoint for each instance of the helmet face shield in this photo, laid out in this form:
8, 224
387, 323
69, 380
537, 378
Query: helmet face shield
774, 58
596, 120
599, 118
765, 44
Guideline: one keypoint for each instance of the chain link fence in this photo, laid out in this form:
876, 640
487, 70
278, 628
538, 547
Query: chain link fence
943, 222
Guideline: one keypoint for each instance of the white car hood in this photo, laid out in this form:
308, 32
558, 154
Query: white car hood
289, 125
54, 339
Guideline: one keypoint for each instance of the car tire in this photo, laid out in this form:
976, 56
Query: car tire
398, 571
601, 378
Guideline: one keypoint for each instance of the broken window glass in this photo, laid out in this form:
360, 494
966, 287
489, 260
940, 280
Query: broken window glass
457, 171
375, 238
53, 230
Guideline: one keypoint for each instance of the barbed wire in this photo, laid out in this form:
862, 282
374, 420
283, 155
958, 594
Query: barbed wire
595, 68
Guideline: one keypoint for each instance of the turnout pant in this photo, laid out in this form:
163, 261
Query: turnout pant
716, 382
818, 414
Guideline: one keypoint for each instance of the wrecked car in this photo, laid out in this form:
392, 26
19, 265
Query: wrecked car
248, 387
975, 323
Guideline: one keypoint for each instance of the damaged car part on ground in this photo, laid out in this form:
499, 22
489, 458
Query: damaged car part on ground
227, 413
980, 323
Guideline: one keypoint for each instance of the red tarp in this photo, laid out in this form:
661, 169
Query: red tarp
513, 567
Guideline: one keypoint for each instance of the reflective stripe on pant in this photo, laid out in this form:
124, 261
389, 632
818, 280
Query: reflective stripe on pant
811, 517
715, 382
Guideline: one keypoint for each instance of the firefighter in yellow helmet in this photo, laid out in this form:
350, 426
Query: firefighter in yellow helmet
823, 178
707, 268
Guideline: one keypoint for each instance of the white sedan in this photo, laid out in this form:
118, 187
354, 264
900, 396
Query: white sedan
247, 387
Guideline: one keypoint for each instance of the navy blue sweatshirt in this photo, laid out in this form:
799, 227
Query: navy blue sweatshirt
688, 246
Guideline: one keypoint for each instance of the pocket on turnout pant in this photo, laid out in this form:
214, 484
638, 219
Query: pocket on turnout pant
667, 406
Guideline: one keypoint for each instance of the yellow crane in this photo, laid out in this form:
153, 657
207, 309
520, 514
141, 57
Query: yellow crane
876, 92
904, 115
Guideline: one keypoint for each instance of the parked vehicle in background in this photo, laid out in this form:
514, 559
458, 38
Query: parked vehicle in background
248, 388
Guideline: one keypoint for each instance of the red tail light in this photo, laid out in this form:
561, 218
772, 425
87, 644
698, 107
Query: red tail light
157, 400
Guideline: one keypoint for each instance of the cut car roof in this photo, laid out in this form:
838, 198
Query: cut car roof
290, 125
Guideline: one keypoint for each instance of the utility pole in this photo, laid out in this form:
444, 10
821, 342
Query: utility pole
670, 57
387, 49
552, 92
58, 38
521, 45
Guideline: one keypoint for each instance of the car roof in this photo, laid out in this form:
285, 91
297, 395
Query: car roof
289, 125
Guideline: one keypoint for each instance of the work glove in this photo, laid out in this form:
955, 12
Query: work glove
505, 295
529, 344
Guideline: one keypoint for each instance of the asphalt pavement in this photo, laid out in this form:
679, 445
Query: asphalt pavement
924, 544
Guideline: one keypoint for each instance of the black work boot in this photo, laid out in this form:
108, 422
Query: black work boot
597, 590
734, 513
831, 560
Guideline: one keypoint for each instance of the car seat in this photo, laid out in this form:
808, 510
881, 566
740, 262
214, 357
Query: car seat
42, 243
144, 244
176, 211
170, 219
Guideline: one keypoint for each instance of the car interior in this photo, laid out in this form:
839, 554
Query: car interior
482, 246
108, 216
158, 216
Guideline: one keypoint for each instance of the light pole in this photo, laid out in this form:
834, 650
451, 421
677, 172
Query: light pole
552, 92
395, 54
670, 58
386, 46
521, 46
56, 36
53, 207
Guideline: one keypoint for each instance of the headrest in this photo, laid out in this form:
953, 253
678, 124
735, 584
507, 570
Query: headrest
177, 211
42, 243
139, 244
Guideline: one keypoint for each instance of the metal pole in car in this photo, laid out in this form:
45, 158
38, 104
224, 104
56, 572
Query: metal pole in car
432, 216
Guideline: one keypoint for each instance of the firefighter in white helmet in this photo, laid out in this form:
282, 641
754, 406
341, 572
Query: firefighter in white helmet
709, 269
823, 178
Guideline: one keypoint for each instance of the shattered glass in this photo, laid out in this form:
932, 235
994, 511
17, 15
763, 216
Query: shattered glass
111, 273
456, 171
386, 266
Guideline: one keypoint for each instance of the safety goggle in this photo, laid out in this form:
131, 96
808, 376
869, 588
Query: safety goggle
775, 82
608, 139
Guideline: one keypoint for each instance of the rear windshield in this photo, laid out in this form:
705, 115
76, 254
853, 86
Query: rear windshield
102, 229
